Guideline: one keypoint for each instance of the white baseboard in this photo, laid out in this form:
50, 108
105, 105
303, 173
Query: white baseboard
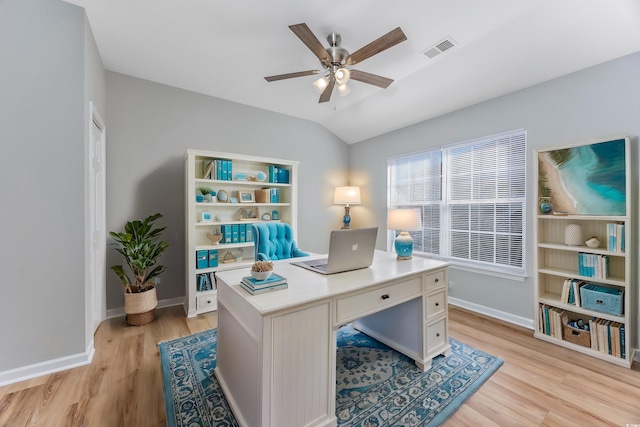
67, 362
47, 367
117, 312
491, 312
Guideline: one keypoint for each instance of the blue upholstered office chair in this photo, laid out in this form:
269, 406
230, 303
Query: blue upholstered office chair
274, 240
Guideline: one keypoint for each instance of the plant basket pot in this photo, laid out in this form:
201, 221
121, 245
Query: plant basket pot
140, 307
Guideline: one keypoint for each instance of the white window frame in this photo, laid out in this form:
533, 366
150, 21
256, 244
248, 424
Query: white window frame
447, 202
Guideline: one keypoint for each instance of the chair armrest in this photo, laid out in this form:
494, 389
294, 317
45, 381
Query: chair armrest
262, 257
298, 253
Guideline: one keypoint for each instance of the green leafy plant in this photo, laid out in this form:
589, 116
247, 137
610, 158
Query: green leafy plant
205, 190
141, 249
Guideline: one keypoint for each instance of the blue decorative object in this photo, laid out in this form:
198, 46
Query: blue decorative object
404, 245
372, 380
261, 176
275, 215
199, 198
545, 205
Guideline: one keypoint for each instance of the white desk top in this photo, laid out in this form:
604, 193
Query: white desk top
306, 286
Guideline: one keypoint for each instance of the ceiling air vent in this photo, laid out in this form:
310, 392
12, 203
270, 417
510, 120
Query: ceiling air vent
439, 48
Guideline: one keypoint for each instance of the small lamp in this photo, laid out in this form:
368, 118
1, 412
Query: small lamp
346, 196
404, 220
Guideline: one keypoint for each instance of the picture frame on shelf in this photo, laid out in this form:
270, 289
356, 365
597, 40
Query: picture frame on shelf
206, 217
248, 214
246, 196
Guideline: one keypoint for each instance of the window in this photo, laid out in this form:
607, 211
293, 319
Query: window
472, 198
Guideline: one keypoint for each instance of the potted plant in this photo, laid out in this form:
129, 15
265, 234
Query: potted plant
207, 193
141, 249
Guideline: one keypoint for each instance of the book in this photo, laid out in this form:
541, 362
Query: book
274, 279
263, 290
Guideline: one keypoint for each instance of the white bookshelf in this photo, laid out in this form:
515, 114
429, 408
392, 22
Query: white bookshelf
222, 214
556, 261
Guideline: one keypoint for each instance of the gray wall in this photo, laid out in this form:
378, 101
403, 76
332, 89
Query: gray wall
42, 139
588, 106
150, 127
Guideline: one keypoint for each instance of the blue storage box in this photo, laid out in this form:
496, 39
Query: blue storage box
602, 299
213, 257
202, 259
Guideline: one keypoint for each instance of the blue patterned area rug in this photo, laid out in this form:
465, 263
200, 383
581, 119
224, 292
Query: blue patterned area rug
376, 386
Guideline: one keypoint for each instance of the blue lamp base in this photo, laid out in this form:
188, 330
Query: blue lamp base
404, 245
346, 220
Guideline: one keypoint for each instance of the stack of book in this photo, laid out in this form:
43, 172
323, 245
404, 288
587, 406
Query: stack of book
253, 286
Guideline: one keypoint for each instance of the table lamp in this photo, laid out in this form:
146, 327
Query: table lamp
404, 220
346, 196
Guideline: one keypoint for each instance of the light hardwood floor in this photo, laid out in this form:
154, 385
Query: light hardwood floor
539, 383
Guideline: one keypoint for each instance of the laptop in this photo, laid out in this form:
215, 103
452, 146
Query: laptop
348, 250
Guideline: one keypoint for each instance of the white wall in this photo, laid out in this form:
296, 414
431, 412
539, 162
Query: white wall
150, 127
593, 104
42, 139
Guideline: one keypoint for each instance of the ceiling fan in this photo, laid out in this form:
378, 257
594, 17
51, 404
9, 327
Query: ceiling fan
335, 59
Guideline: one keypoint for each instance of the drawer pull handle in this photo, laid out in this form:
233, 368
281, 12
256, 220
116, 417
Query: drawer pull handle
437, 280
437, 304
437, 334
208, 301
385, 296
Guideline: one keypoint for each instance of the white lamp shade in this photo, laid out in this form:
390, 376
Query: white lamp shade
342, 76
344, 89
320, 84
404, 220
346, 196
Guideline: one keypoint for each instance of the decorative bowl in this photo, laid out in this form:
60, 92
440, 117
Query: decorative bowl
593, 243
261, 176
261, 275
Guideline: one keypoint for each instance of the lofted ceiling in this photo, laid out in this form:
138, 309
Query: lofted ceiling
224, 49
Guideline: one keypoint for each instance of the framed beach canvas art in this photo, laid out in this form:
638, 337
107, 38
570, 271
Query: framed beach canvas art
587, 179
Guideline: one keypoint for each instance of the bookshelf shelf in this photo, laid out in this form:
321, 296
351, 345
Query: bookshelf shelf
243, 177
557, 278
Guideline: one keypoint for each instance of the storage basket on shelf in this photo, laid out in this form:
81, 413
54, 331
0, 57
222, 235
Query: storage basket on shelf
576, 336
602, 299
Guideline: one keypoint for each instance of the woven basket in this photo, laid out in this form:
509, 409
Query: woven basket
140, 306
140, 319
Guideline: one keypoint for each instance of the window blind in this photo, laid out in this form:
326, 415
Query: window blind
472, 199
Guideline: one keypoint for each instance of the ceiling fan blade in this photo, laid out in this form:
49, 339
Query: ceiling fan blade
291, 75
390, 39
308, 38
371, 79
326, 95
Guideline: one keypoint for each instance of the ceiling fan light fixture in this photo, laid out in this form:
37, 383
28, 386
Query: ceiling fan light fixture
342, 76
320, 84
343, 89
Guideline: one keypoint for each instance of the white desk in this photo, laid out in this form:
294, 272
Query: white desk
276, 358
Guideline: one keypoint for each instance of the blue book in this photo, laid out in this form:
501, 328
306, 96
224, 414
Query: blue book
623, 349
219, 173
282, 176
273, 280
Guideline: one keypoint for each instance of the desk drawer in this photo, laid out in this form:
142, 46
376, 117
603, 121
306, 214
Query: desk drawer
436, 335
206, 303
435, 280
436, 304
352, 307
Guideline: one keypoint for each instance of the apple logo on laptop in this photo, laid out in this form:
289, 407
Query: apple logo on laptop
354, 247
